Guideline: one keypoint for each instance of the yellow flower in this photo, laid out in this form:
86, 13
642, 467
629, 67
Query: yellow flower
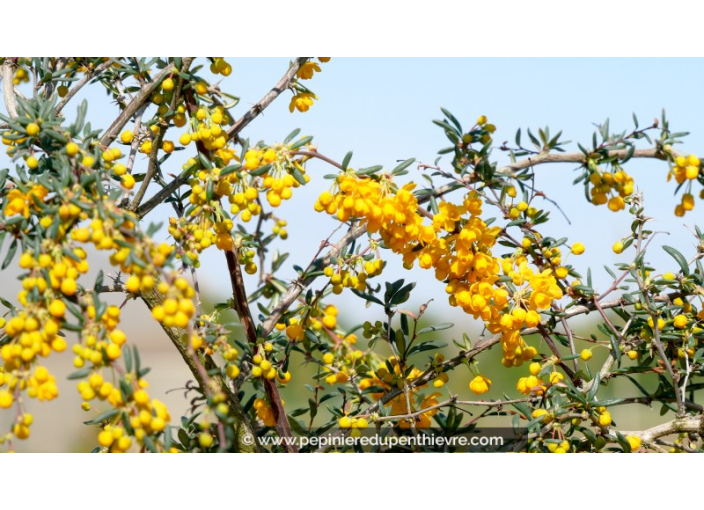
307, 70
16, 203
479, 385
302, 102
605, 419
577, 248
680, 321
555, 377
128, 181
19, 203
634, 441
294, 331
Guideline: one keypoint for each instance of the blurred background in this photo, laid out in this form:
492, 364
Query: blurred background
382, 110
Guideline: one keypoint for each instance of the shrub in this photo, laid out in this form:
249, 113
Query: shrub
76, 190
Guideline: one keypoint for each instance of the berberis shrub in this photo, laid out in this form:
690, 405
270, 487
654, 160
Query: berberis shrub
78, 191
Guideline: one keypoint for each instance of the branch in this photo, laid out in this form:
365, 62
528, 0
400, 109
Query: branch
8, 88
655, 317
487, 343
573, 157
299, 285
134, 147
132, 108
88, 76
691, 424
551, 344
265, 101
314, 154
648, 401
454, 402
242, 308
241, 425
162, 194
154, 154
430, 374
238, 126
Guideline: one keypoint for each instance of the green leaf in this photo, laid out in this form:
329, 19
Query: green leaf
102, 417
404, 324
608, 402
204, 161
637, 385
679, 258
137, 361
615, 351
10, 254
127, 355
346, 160
80, 374
261, 170
149, 444
300, 143
369, 170
229, 169
366, 296
293, 134
437, 327
452, 119
403, 166
594, 388
426, 346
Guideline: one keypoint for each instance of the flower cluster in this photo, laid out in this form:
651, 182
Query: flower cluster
341, 369
685, 168
273, 170
393, 213
208, 131
390, 375
353, 273
264, 412
610, 188
303, 98
458, 247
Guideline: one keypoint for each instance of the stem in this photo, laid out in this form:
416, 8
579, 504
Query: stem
268, 98
195, 364
242, 308
141, 98
83, 81
656, 330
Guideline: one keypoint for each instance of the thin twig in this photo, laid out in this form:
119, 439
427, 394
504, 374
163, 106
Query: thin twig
315, 154
141, 98
81, 83
265, 101
156, 144
655, 317
240, 124
450, 402
570, 339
